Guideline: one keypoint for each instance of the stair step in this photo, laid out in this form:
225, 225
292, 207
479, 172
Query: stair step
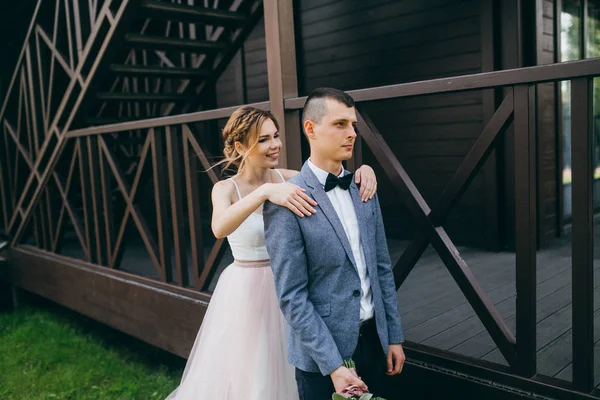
165, 72
171, 44
184, 13
122, 96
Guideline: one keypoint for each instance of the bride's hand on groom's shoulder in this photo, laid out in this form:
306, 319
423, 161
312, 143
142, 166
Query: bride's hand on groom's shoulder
343, 377
365, 177
291, 196
395, 359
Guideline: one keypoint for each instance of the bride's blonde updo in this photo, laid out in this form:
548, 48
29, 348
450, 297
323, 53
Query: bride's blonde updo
244, 127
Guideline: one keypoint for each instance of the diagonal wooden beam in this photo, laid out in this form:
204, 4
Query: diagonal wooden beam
201, 154
457, 185
457, 267
211, 264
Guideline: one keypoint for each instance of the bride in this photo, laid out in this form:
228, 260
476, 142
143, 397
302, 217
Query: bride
240, 350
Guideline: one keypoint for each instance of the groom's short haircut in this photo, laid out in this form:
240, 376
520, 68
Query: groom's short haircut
315, 107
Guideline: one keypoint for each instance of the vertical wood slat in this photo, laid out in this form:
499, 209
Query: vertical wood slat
282, 76
3, 202
582, 237
93, 155
43, 231
525, 223
490, 168
107, 204
9, 202
84, 172
39, 221
193, 206
160, 197
49, 215
176, 190
558, 109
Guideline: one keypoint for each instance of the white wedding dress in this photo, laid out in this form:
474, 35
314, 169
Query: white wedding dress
240, 352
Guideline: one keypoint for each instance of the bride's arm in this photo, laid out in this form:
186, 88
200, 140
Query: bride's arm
228, 216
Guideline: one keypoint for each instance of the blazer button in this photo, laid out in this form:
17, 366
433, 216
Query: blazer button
356, 293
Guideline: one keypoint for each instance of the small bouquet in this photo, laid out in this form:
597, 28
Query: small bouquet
353, 392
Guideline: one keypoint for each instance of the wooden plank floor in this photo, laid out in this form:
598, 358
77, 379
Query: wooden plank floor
436, 313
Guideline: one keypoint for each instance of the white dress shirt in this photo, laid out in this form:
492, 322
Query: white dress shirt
344, 207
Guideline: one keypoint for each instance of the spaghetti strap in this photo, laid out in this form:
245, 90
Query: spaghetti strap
237, 188
280, 175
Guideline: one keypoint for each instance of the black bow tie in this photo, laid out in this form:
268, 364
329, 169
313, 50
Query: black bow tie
333, 181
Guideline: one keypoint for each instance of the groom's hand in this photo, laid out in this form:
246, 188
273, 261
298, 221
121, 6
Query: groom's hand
343, 377
395, 359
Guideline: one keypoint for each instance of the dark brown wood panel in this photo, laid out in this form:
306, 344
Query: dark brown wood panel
548, 174
256, 65
355, 44
162, 315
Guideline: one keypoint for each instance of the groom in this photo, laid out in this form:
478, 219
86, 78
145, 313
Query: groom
332, 270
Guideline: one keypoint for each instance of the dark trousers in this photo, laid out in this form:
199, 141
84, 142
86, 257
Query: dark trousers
371, 366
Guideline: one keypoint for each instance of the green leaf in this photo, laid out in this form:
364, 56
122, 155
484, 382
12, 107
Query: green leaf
366, 396
337, 396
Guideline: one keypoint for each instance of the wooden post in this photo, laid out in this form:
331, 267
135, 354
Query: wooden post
490, 169
582, 146
283, 79
526, 227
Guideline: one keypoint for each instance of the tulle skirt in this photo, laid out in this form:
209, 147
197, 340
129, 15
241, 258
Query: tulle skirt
240, 352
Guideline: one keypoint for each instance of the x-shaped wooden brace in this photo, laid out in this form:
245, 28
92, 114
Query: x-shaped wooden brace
65, 206
131, 209
63, 191
431, 220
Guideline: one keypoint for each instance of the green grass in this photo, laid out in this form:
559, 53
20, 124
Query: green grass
50, 353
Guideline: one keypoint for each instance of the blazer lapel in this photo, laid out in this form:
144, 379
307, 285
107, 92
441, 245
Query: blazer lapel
320, 196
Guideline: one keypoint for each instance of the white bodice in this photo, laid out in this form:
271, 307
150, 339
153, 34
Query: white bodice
247, 242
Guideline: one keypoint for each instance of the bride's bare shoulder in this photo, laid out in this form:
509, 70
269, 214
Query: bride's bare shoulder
223, 189
288, 173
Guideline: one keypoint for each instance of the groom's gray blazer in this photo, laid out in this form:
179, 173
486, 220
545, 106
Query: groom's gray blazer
317, 281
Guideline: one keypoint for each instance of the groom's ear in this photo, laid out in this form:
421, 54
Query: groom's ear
309, 129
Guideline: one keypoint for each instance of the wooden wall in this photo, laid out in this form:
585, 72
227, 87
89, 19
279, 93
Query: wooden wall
353, 44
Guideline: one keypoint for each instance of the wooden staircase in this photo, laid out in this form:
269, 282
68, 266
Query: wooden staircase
168, 60
108, 61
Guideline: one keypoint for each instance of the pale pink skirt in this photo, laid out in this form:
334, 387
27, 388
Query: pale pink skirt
240, 352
